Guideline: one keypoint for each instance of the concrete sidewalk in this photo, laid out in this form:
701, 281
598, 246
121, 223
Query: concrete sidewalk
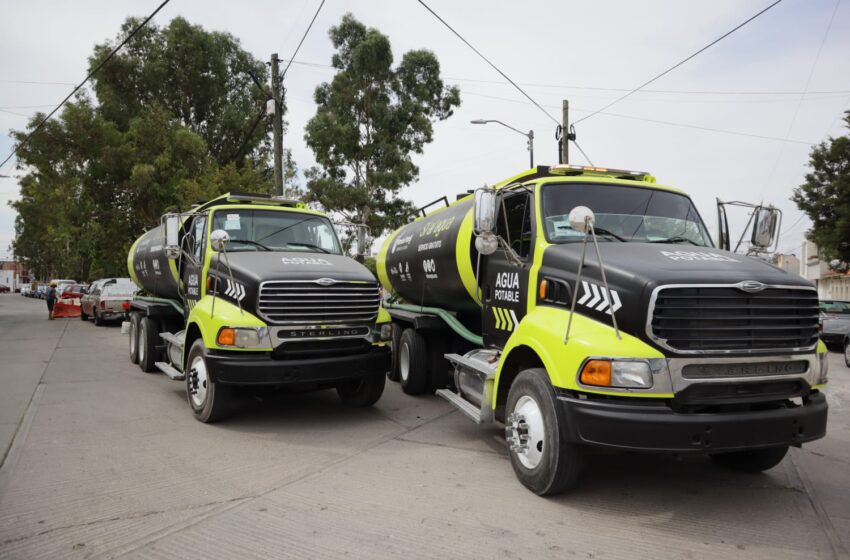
108, 462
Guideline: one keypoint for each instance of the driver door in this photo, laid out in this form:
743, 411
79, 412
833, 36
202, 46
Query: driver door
504, 282
191, 269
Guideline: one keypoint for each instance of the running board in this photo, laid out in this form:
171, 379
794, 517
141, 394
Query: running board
467, 408
170, 371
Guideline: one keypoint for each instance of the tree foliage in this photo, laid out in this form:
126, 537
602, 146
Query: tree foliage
825, 197
370, 119
170, 125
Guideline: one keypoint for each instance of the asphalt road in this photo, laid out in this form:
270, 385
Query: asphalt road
101, 460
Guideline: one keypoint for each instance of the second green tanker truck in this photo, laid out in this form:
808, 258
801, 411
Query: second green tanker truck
255, 290
589, 307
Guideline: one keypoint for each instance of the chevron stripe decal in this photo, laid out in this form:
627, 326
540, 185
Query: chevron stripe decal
595, 297
506, 319
235, 290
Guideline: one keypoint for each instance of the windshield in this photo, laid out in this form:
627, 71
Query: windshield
119, 290
836, 307
631, 214
270, 230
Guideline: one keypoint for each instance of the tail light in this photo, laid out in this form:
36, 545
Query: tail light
103, 305
126, 306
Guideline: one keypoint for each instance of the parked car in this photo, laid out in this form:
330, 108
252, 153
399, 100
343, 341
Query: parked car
76, 291
5, 289
62, 285
105, 300
26, 290
835, 315
41, 290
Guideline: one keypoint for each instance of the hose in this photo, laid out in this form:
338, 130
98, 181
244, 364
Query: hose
151, 299
449, 319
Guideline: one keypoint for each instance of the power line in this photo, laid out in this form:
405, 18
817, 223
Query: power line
301, 42
81, 84
800, 100
36, 82
496, 68
681, 62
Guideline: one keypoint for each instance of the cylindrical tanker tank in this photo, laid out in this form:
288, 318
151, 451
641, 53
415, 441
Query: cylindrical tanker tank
432, 261
149, 266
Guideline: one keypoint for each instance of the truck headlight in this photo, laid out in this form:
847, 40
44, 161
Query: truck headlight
623, 374
242, 337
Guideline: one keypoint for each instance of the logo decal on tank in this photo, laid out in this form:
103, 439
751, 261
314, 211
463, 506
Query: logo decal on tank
235, 290
595, 297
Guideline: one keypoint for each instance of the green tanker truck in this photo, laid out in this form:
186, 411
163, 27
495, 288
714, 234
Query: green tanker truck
250, 289
588, 307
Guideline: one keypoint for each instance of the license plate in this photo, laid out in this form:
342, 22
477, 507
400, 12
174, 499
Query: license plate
756, 369
330, 332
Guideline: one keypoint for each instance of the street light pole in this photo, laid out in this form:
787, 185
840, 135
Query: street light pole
529, 135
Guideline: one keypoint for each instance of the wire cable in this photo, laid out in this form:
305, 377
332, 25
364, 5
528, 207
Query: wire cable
81, 84
496, 68
301, 42
681, 62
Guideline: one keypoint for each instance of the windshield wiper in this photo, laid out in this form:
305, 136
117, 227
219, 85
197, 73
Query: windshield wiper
308, 245
677, 239
249, 242
606, 232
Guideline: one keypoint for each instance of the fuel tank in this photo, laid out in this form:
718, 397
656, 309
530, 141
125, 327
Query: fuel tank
432, 261
150, 268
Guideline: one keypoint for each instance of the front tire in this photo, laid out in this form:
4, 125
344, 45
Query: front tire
209, 401
751, 460
134, 338
392, 375
847, 352
148, 341
536, 429
413, 361
362, 393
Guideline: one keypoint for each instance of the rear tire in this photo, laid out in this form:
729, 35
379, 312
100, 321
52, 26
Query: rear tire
392, 375
847, 352
362, 393
83, 316
98, 322
413, 366
148, 340
209, 401
751, 460
536, 429
134, 338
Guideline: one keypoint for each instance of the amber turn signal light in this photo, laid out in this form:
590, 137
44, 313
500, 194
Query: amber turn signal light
596, 372
544, 288
227, 337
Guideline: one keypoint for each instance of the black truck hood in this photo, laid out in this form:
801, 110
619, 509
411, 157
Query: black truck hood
634, 270
250, 269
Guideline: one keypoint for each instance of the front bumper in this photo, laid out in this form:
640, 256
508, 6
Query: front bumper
654, 426
248, 368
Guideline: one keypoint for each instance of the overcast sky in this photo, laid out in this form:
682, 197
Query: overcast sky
584, 51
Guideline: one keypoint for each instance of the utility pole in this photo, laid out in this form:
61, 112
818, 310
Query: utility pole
276, 110
565, 132
531, 148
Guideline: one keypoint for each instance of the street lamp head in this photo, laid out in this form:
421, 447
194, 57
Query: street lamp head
479, 121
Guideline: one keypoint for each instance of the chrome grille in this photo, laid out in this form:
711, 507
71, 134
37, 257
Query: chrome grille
703, 319
308, 302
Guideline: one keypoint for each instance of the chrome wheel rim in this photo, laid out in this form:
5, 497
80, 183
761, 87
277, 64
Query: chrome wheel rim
525, 432
404, 362
198, 381
142, 345
133, 339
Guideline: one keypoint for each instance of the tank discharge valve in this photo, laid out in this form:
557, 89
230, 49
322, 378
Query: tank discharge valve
582, 219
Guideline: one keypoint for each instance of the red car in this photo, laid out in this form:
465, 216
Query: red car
4, 290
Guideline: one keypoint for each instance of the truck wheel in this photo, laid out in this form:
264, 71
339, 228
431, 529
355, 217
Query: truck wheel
847, 352
134, 338
392, 375
209, 400
536, 431
148, 340
413, 362
751, 460
362, 392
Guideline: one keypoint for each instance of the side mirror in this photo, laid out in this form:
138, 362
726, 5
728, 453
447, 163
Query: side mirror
219, 239
765, 226
484, 211
581, 218
172, 235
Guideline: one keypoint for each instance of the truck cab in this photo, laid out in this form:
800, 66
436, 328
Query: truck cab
255, 290
634, 333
